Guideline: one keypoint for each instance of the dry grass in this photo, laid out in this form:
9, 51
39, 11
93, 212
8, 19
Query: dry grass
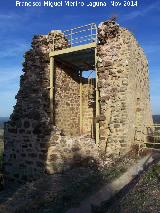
144, 197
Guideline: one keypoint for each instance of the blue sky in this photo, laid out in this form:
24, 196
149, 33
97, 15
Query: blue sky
18, 25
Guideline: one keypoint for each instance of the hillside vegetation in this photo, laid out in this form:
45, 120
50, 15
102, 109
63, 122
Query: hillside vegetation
144, 197
1, 147
2, 120
156, 119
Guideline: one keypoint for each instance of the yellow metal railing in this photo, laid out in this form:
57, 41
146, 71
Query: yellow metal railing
153, 137
81, 35
150, 138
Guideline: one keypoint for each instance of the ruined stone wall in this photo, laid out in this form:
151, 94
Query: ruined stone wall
29, 125
88, 106
66, 152
33, 145
67, 100
124, 89
29, 129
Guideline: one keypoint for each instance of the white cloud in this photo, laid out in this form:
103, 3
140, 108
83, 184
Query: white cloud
155, 101
142, 12
7, 20
8, 17
7, 101
11, 21
13, 48
151, 48
9, 85
9, 74
155, 83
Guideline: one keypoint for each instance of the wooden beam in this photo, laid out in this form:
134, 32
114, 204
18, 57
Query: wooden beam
97, 101
157, 149
66, 64
73, 49
152, 143
81, 105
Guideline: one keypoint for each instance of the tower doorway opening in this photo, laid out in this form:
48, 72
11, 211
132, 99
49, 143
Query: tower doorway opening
89, 103
74, 96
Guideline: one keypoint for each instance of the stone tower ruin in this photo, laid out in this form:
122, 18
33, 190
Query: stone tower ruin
62, 117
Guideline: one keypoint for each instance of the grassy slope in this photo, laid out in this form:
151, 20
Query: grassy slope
144, 197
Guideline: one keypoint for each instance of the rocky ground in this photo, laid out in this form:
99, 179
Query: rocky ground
142, 196
61, 191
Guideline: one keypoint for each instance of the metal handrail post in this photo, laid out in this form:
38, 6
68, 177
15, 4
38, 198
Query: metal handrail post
81, 105
91, 34
71, 38
97, 99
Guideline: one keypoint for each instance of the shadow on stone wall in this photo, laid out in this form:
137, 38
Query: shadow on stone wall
78, 177
28, 131
57, 192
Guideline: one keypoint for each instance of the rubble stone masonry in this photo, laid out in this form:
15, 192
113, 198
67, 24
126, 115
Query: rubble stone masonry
67, 100
124, 89
88, 106
34, 145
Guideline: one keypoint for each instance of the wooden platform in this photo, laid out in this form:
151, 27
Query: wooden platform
82, 57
